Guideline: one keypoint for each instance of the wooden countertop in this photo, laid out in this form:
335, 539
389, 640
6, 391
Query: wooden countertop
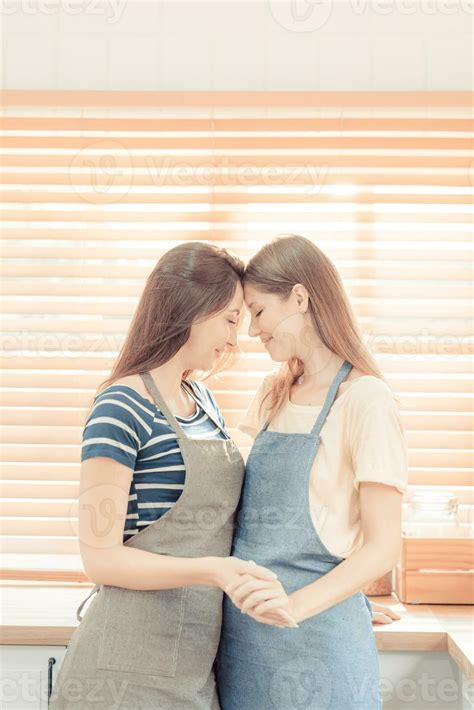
44, 613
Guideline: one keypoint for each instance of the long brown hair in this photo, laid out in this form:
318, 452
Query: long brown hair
276, 268
194, 280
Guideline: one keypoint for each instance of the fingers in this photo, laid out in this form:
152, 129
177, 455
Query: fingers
281, 615
240, 592
379, 618
386, 610
288, 618
255, 584
238, 581
391, 613
269, 622
271, 604
259, 605
260, 571
245, 583
278, 618
260, 595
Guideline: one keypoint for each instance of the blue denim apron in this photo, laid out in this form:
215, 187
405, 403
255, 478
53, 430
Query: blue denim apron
330, 661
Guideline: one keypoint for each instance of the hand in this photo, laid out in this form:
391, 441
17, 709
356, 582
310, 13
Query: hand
263, 600
383, 614
230, 572
223, 571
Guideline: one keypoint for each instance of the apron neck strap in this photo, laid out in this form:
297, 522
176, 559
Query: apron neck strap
150, 384
344, 370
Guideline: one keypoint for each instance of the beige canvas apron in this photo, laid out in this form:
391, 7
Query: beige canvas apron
154, 649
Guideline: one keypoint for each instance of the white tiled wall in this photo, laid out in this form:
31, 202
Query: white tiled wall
392, 45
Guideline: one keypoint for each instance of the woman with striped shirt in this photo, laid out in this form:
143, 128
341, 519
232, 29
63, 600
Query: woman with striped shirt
160, 483
125, 426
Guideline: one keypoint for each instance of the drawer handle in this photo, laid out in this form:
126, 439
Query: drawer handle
51, 662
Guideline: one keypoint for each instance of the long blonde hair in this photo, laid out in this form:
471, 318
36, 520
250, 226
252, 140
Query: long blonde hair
276, 268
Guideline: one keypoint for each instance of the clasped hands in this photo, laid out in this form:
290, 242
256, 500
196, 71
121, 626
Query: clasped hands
256, 591
264, 600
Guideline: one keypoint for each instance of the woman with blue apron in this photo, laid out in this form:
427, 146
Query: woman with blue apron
330, 661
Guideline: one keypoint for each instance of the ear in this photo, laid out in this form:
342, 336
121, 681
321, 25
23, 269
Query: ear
302, 297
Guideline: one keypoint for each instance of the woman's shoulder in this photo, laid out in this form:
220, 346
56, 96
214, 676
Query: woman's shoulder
368, 390
134, 387
133, 382
358, 388
131, 390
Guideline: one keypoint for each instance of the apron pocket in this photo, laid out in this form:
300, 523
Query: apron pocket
141, 630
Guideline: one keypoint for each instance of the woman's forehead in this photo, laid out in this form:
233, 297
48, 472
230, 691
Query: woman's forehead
251, 294
238, 299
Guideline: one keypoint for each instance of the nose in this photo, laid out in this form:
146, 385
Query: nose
253, 329
232, 341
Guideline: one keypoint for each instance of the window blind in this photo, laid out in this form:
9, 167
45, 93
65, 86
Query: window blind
95, 186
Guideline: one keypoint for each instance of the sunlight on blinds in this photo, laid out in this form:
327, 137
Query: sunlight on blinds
95, 187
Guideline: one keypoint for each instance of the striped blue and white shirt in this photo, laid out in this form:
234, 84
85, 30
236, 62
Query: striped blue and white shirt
127, 427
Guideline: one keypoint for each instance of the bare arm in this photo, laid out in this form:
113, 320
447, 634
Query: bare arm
103, 501
381, 510
381, 514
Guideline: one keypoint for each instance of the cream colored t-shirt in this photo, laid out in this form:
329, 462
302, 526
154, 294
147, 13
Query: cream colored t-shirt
362, 439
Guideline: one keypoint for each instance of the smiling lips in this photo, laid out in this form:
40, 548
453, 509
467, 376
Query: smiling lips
263, 341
